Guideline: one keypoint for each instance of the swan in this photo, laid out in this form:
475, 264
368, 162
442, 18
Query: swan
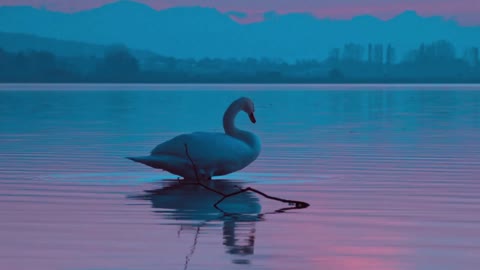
213, 153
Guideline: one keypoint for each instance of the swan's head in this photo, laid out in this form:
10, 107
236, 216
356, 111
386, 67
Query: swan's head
248, 107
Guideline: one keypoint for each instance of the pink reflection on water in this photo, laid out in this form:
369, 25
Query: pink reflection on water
80, 232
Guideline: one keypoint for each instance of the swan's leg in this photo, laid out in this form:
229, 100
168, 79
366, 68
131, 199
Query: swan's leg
204, 175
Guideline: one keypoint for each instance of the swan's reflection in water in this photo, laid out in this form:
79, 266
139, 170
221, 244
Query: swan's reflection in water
191, 206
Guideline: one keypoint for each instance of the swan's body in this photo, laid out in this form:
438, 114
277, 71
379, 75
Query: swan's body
213, 154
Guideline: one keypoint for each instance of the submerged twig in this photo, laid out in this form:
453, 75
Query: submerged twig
297, 204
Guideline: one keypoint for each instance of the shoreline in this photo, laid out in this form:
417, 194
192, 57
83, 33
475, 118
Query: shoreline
232, 86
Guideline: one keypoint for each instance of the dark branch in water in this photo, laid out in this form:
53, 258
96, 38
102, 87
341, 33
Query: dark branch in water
193, 163
296, 204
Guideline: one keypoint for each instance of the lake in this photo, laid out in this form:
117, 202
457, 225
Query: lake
391, 174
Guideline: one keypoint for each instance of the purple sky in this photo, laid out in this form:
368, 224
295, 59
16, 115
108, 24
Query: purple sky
464, 11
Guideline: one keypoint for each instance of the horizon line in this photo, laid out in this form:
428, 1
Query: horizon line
236, 86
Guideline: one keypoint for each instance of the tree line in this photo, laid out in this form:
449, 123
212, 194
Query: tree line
435, 62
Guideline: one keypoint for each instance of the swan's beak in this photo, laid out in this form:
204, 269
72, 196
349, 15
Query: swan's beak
252, 117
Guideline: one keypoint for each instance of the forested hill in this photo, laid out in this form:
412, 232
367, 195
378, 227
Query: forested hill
436, 62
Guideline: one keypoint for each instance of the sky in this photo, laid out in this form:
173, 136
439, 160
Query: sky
464, 11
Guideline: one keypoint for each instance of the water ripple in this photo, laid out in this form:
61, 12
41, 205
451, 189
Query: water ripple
391, 176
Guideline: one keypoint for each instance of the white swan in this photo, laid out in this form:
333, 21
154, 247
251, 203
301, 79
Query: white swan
213, 153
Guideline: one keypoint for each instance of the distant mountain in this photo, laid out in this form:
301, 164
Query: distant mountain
14, 42
205, 32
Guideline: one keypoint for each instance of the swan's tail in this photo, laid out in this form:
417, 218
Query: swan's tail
152, 161
174, 165
170, 164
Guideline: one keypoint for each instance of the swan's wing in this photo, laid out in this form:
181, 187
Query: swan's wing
208, 150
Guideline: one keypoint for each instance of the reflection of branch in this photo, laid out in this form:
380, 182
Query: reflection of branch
297, 204
192, 249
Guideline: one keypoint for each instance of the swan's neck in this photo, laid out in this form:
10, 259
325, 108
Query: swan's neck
230, 128
229, 119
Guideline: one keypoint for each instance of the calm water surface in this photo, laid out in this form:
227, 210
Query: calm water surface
392, 176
